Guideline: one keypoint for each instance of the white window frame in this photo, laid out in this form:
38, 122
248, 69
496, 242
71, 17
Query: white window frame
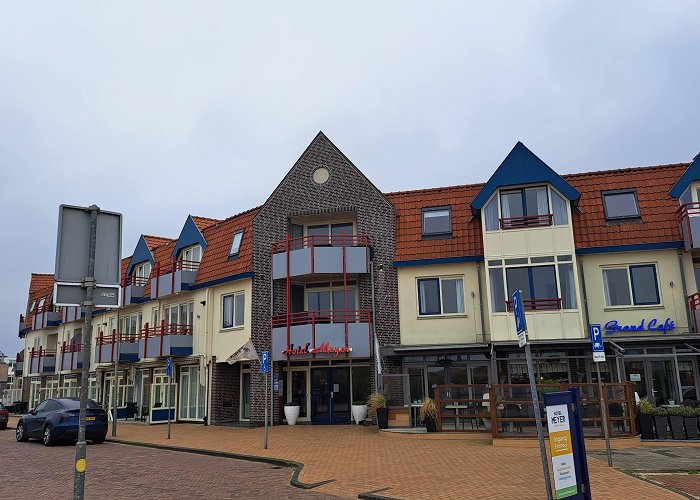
233, 297
442, 308
236, 246
142, 270
188, 253
632, 303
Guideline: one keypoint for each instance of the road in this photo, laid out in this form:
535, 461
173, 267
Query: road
30, 470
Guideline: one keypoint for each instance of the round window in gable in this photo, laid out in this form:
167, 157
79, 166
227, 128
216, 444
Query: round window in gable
321, 175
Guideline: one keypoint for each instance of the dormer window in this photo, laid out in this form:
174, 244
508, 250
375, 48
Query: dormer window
31, 308
141, 273
236, 243
191, 254
620, 204
524, 208
437, 221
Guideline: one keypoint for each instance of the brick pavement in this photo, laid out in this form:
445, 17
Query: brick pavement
117, 471
361, 459
688, 483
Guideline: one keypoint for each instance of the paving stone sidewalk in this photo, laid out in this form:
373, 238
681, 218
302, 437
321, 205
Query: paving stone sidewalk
361, 459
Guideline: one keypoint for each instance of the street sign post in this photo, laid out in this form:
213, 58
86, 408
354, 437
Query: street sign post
88, 269
521, 329
598, 347
169, 373
265, 370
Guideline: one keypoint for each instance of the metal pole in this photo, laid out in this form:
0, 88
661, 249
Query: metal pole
538, 422
604, 415
89, 305
115, 390
272, 394
170, 381
266, 394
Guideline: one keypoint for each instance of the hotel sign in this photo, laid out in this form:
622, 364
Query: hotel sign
324, 348
653, 325
562, 450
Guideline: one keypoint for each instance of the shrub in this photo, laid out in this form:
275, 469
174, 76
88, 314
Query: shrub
645, 406
376, 401
428, 410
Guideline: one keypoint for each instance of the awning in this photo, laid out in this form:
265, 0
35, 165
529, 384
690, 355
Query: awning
406, 350
246, 352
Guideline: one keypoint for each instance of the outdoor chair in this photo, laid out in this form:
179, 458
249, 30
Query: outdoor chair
511, 411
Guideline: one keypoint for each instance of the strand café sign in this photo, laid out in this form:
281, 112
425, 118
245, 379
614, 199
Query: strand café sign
653, 325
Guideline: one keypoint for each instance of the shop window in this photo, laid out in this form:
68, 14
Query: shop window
631, 285
233, 310
620, 204
440, 296
236, 244
437, 221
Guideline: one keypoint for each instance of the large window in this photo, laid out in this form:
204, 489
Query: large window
631, 285
233, 310
333, 231
524, 202
131, 325
443, 295
191, 254
141, 272
537, 283
437, 221
526, 207
620, 204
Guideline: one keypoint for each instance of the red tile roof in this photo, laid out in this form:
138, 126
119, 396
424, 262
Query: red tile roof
155, 241
203, 222
40, 281
466, 233
657, 208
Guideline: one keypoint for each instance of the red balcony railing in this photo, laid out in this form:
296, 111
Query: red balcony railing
526, 221
553, 304
19, 358
165, 329
41, 353
694, 305
135, 280
321, 317
161, 269
335, 240
71, 347
683, 216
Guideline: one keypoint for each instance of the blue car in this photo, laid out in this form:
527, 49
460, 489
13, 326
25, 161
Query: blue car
58, 418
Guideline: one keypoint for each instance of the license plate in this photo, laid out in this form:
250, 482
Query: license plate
89, 418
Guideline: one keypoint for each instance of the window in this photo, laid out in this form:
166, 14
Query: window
437, 221
491, 215
191, 254
539, 282
632, 285
142, 271
179, 314
31, 308
559, 211
440, 296
131, 324
330, 234
620, 204
233, 310
236, 244
524, 202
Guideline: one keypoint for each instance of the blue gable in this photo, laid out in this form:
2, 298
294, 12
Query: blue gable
141, 253
522, 166
691, 174
190, 235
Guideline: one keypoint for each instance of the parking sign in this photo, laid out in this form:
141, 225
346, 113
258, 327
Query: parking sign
519, 313
596, 333
265, 362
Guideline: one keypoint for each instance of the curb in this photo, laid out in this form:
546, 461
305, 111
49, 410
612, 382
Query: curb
373, 495
637, 475
297, 466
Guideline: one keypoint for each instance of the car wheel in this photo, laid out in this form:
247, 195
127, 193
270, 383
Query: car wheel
98, 440
47, 436
19, 432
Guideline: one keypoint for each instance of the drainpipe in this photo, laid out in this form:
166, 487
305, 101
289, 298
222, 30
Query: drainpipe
377, 356
685, 290
584, 295
481, 302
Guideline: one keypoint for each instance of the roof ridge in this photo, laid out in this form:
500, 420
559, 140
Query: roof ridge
227, 219
626, 169
432, 189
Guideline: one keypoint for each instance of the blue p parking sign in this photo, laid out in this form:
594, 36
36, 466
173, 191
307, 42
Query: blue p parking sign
169, 367
597, 343
265, 362
519, 313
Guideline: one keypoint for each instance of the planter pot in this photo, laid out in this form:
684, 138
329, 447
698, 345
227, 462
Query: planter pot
291, 413
359, 413
383, 418
646, 425
661, 425
691, 427
430, 424
677, 430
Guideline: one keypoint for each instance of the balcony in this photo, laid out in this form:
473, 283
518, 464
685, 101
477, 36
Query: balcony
165, 340
42, 361
106, 347
134, 289
553, 304
527, 221
322, 335
173, 278
72, 313
23, 326
71, 356
19, 364
335, 254
694, 306
689, 222
45, 316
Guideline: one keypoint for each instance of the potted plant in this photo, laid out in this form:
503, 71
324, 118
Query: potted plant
359, 411
675, 415
291, 413
690, 419
661, 422
645, 416
429, 414
376, 404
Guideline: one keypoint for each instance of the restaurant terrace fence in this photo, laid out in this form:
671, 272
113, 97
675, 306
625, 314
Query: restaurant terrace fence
506, 410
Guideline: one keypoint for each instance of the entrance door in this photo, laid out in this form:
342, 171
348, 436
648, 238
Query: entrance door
636, 374
663, 380
330, 395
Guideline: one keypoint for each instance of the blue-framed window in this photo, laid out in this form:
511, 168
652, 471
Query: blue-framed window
443, 295
636, 285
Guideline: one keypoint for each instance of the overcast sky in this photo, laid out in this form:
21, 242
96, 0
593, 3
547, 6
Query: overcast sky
160, 109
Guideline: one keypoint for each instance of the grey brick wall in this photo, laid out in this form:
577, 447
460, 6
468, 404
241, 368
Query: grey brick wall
225, 392
347, 190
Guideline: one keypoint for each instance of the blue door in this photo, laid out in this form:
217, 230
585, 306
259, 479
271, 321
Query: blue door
330, 395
